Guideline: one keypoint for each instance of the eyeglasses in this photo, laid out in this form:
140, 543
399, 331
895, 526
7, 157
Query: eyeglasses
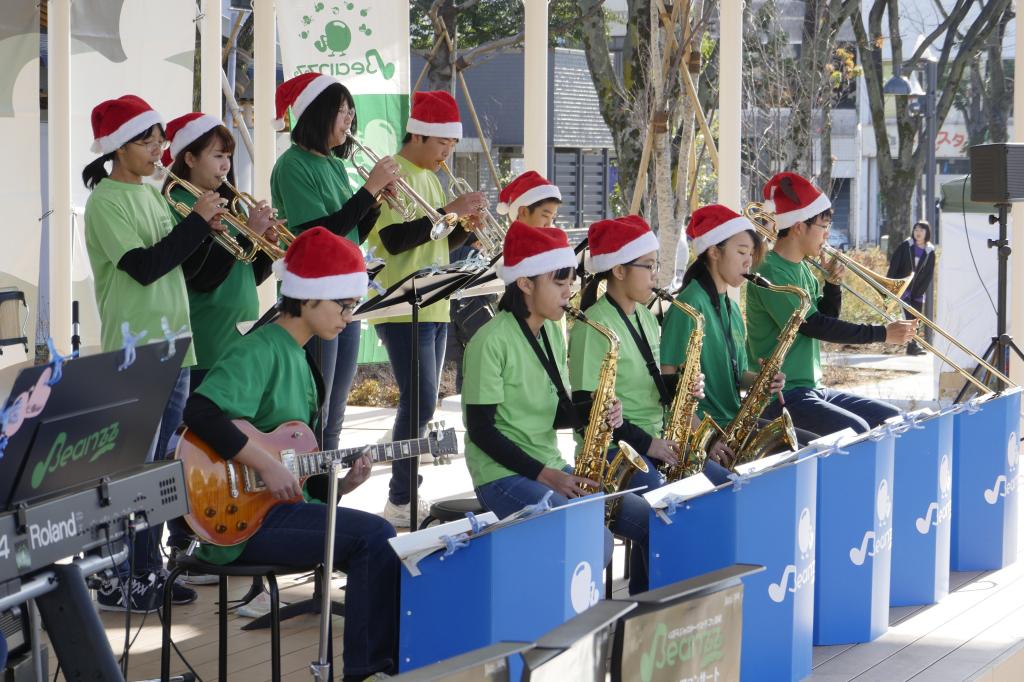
346, 112
346, 308
824, 218
654, 268
153, 145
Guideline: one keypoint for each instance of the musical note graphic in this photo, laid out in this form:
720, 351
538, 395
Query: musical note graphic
924, 523
777, 591
387, 69
858, 554
992, 496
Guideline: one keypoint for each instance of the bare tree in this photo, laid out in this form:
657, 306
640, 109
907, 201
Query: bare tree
984, 94
963, 33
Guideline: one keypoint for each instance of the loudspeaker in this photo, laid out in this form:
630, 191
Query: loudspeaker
997, 173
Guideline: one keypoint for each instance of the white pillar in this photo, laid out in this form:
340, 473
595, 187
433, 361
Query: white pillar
730, 102
1016, 293
535, 90
209, 57
264, 135
59, 127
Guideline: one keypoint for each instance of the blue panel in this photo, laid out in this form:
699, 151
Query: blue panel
985, 477
921, 512
854, 541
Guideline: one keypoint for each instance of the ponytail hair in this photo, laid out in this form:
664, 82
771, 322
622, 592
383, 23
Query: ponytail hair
96, 171
589, 295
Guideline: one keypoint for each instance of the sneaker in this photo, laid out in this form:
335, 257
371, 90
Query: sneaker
257, 606
398, 514
180, 595
195, 578
145, 594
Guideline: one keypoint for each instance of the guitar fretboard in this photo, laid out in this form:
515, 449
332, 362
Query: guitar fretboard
312, 463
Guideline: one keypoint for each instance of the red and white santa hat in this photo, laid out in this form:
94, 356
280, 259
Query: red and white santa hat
531, 251
298, 93
619, 240
320, 265
116, 121
434, 114
793, 199
184, 130
713, 224
526, 189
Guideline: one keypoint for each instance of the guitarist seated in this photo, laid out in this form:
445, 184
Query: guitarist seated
265, 378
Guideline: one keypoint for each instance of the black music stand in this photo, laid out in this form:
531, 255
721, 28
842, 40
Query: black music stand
412, 293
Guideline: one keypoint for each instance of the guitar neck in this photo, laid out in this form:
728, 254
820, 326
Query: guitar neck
312, 463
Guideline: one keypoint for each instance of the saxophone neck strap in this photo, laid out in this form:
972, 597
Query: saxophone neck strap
546, 356
644, 346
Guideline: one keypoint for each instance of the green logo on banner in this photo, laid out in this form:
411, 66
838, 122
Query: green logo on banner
680, 648
329, 27
95, 445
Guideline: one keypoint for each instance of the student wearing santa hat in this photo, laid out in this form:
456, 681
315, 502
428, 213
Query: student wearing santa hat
803, 215
624, 256
311, 185
269, 379
727, 245
530, 199
406, 247
221, 288
515, 393
136, 246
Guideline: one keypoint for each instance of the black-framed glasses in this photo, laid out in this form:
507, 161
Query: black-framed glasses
825, 217
654, 268
346, 307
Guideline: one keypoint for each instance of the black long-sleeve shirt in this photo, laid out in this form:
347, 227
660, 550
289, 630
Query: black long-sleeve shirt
361, 210
825, 324
401, 237
147, 265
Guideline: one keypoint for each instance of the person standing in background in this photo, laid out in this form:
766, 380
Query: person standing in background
915, 255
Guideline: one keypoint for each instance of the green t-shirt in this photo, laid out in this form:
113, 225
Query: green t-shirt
215, 314
120, 217
265, 380
721, 396
434, 252
769, 311
305, 186
634, 387
500, 368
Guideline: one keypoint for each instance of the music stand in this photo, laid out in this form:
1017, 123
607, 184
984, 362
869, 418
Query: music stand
417, 290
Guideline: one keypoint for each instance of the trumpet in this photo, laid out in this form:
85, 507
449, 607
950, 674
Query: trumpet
491, 232
239, 199
888, 289
227, 241
441, 224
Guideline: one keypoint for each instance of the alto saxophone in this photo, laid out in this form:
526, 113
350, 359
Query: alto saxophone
679, 421
592, 459
740, 434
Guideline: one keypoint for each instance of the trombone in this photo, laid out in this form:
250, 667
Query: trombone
227, 241
284, 235
491, 233
441, 224
888, 289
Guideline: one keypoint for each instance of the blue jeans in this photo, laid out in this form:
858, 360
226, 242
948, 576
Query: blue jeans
825, 411
146, 547
653, 479
293, 535
397, 340
510, 494
337, 362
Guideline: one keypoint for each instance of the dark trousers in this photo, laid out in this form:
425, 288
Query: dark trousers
825, 411
293, 535
397, 340
337, 362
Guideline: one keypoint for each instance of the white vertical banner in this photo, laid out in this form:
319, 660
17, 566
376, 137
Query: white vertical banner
144, 48
362, 43
19, 130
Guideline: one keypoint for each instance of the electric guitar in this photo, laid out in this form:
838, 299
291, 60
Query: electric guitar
228, 501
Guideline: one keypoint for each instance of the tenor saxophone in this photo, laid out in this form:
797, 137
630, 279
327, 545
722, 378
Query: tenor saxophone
679, 421
742, 435
592, 458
